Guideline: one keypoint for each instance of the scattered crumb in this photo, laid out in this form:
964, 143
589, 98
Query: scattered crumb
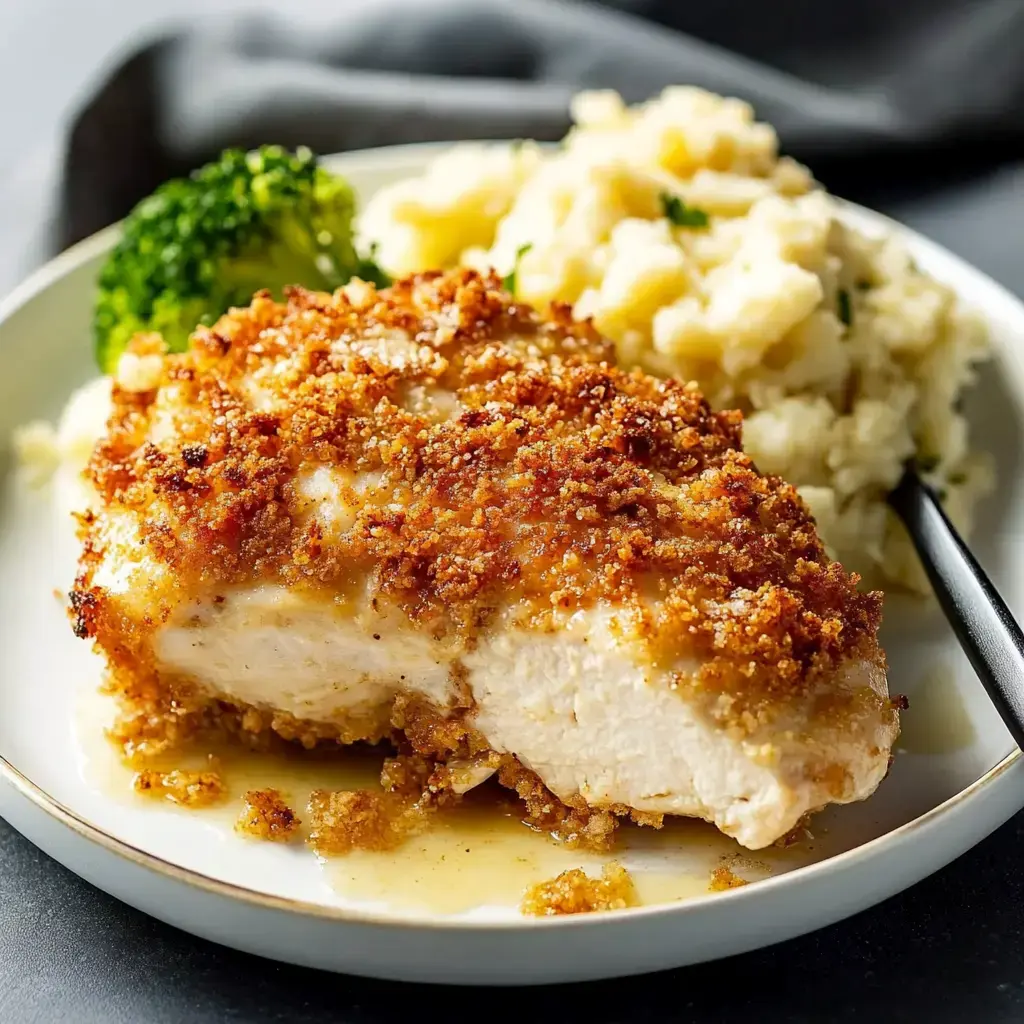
145, 730
723, 878
574, 892
748, 865
190, 789
406, 775
645, 819
266, 816
345, 820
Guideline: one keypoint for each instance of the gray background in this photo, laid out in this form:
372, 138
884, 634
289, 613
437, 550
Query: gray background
950, 949
52, 53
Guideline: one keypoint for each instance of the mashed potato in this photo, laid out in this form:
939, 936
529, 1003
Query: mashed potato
41, 449
702, 254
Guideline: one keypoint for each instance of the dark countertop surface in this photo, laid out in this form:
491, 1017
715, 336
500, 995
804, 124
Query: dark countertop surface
950, 949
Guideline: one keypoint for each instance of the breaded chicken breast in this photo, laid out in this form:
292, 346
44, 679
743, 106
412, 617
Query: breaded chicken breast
430, 510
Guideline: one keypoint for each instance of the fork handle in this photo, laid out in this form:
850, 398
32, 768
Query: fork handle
987, 631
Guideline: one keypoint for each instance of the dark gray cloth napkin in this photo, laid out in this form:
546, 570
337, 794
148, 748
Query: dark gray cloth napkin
887, 101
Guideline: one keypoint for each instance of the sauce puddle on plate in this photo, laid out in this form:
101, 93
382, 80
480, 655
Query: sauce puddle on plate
937, 721
482, 854
474, 856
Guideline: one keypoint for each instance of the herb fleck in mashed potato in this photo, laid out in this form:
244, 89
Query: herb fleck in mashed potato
702, 254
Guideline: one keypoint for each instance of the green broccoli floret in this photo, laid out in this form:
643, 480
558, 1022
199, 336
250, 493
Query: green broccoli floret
199, 245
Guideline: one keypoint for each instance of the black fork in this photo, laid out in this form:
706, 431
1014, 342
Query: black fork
988, 633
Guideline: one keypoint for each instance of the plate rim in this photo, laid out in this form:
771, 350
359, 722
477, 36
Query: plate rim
88, 248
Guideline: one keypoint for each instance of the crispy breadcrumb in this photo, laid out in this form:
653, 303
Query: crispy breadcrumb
723, 878
190, 789
574, 892
646, 819
150, 723
341, 821
406, 775
422, 779
267, 816
574, 823
613, 480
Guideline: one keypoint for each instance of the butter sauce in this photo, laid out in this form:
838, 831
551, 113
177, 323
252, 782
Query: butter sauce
479, 854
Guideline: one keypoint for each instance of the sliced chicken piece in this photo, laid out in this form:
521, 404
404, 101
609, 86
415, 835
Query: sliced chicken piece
431, 496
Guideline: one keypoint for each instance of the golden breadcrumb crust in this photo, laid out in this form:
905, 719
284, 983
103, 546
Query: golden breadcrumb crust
156, 715
574, 892
266, 815
558, 481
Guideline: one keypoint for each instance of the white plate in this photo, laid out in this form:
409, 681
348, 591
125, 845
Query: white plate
959, 778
